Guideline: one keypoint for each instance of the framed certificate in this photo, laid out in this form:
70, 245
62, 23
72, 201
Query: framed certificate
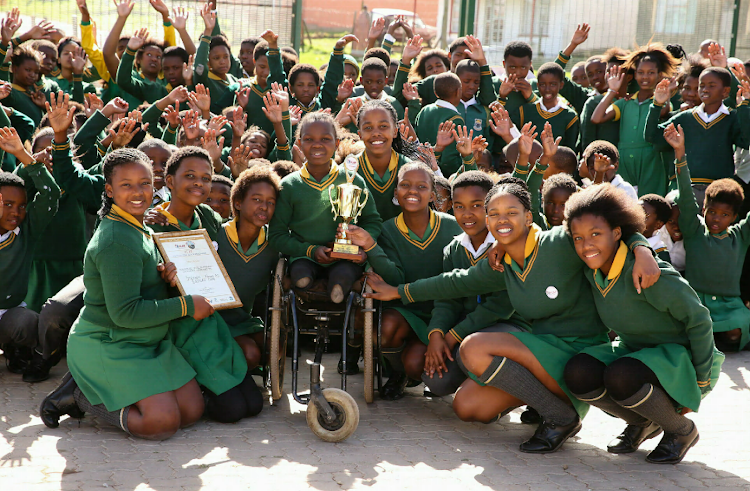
199, 268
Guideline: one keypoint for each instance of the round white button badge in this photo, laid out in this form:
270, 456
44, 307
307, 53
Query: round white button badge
551, 292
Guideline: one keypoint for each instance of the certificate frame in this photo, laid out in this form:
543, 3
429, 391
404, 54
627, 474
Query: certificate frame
166, 242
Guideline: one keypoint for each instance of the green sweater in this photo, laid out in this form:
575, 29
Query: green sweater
667, 312
203, 217
564, 121
382, 189
303, 220
429, 120
571, 91
463, 316
550, 291
534, 179
137, 86
249, 271
477, 118
713, 263
75, 88
327, 96
413, 105
222, 90
486, 94
709, 145
511, 104
87, 139
609, 131
17, 251
19, 99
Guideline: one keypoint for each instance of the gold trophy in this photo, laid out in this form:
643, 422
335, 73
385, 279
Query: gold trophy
348, 206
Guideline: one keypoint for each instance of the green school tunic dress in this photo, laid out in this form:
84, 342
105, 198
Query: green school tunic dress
713, 263
401, 256
550, 291
119, 349
249, 271
640, 163
666, 328
382, 187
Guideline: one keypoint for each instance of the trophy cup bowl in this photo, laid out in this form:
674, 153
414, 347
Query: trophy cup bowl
347, 204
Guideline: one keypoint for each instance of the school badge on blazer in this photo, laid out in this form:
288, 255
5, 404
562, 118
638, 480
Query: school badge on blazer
477, 124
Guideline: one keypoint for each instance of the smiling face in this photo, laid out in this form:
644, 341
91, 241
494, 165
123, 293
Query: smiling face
689, 92
377, 130
711, 90
191, 182
261, 69
596, 72
159, 157
434, 65
258, 205
14, 208
719, 216
507, 219
318, 143
579, 76
647, 75
673, 225
373, 81
549, 86
554, 206
595, 241
414, 191
305, 88
218, 199
132, 188
468, 208
258, 144
49, 63
219, 60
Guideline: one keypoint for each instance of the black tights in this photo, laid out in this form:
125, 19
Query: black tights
622, 378
343, 273
242, 401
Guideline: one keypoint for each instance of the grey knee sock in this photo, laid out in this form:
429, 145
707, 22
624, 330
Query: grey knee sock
460, 362
653, 403
393, 357
600, 398
115, 418
512, 378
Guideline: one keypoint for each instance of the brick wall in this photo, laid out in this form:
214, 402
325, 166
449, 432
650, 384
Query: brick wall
339, 14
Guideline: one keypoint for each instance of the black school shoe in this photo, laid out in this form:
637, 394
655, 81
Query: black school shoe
394, 388
38, 369
17, 358
530, 416
60, 402
673, 447
549, 437
632, 436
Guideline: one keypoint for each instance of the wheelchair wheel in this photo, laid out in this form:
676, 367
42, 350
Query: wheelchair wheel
347, 417
368, 350
277, 354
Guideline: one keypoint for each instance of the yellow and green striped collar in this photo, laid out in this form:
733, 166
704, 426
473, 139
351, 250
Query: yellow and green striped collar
255, 248
119, 215
605, 284
429, 235
381, 184
327, 181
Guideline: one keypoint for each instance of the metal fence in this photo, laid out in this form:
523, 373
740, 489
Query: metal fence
548, 24
238, 19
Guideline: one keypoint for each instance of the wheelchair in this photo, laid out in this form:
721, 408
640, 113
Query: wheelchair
332, 414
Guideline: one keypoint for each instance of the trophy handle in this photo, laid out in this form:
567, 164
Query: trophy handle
333, 205
361, 206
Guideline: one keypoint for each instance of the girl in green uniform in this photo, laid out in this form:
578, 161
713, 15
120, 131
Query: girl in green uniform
640, 164
383, 157
665, 357
124, 366
409, 248
72, 60
546, 285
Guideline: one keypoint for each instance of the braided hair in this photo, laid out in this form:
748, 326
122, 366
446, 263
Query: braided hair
121, 156
405, 148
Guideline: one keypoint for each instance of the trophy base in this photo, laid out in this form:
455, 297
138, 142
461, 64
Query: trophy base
345, 251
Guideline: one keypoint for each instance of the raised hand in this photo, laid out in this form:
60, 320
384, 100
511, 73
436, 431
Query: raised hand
500, 123
44, 156
160, 7
37, 97
602, 164
717, 55
172, 115
426, 154
349, 38
243, 96
411, 49
178, 94
10, 141
282, 95
344, 116
10, 25
550, 144
507, 86
5, 89
117, 105
581, 34
239, 160
444, 135
43, 30
271, 38
239, 123
478, 145
738, 69
526, 140
295, 114
662, 92
125, 133
217, 124
209, 18
60, 113
179, 18
191, 124
463, 138
475, 50
78, 60
345, 90
410, 92
91, 103
615, 78
138, 39
187, 70
201, 98
376, 29
213, 147
676, 138
124, 7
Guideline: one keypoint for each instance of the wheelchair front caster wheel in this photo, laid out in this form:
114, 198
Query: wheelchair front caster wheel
347, 417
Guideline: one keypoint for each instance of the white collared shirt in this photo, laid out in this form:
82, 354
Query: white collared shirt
620, 183
16, 231
445, 104
707, 118
554, 108
383, 97
489, 241
676, 249
468, 103
162, 193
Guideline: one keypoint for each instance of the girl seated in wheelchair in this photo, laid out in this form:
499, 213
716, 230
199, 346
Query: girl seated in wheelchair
247, 255
410, 247
303, 225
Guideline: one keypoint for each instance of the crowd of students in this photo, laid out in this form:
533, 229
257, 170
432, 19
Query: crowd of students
554, 243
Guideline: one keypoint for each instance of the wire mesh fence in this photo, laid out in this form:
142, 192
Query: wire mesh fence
238, 19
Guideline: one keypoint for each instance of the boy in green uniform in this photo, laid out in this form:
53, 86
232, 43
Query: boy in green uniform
714, 247
475, 114
213, 62
664, 361
563, 119
453, 320
250, 98
711, 130
21, 225
433, 116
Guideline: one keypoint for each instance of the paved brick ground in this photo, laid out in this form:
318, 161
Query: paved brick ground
415, 443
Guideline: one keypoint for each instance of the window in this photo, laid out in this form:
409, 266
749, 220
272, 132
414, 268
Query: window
535, 12
675, 16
